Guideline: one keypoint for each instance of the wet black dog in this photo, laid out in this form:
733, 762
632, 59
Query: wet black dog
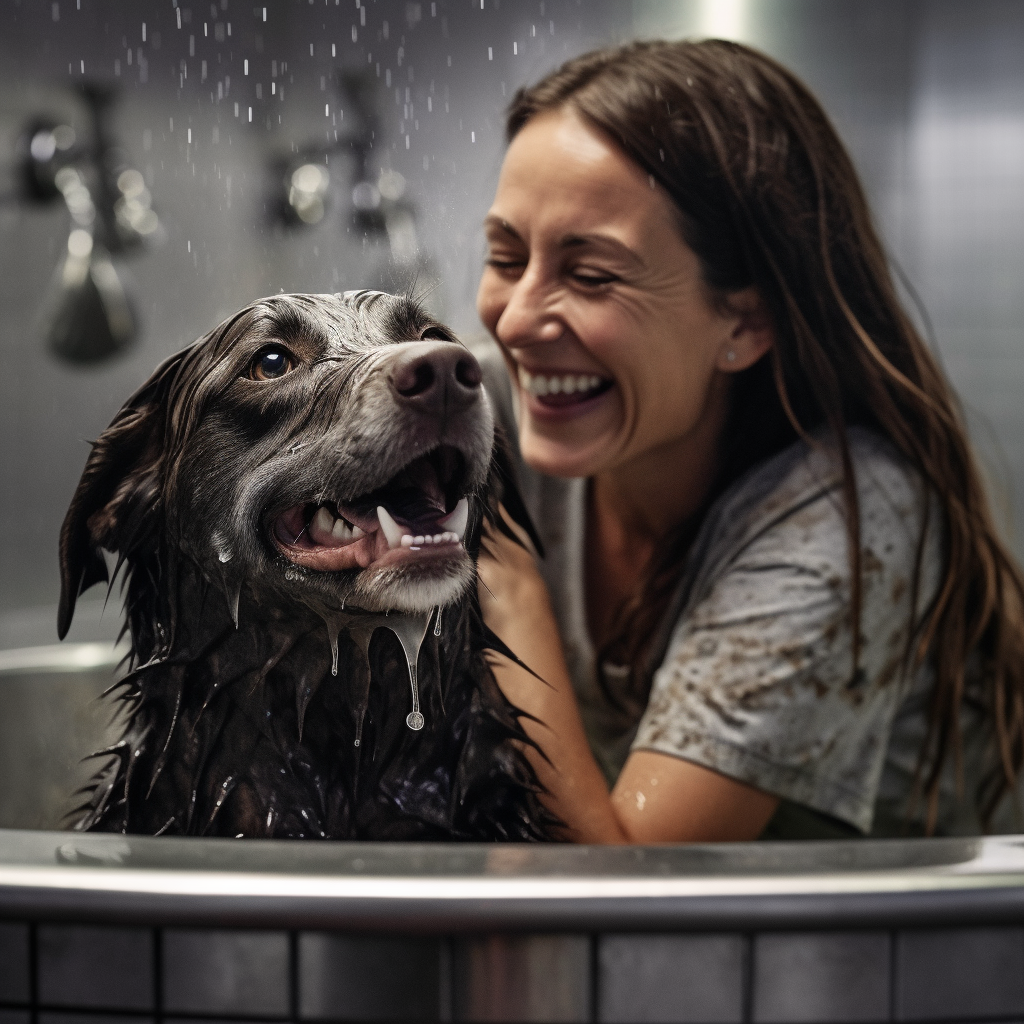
297, 499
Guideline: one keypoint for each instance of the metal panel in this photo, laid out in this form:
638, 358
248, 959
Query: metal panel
14, 986
821, 976
685, 978
85, 966
230, 972
959, 973
372, 977
523, 978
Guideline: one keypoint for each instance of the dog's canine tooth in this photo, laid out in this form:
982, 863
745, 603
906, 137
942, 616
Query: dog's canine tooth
457, 519
392, 531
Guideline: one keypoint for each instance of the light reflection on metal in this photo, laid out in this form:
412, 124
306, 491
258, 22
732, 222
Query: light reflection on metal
307, 192
377, 201
90, 315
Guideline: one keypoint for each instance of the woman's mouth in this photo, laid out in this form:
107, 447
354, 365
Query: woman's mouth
563, 390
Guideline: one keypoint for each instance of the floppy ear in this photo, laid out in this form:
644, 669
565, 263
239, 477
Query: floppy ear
503, 467
115, 504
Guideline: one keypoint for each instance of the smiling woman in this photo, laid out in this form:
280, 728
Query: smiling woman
774, 602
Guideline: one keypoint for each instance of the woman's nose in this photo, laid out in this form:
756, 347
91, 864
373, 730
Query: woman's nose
528, 317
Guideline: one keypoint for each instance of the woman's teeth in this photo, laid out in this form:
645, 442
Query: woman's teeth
540, 385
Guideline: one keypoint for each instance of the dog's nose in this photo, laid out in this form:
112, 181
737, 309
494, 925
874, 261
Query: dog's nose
436, 376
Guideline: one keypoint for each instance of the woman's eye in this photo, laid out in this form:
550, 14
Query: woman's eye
506, 264
591, 278
271, 363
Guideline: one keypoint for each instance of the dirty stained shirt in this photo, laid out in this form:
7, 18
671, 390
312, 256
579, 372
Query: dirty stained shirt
752, 671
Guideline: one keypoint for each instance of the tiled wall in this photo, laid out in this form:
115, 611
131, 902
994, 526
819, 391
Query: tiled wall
86, 974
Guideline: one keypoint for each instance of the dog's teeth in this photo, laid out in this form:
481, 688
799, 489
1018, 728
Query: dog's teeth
418, 541
392, 531
408, 540
457, 519
357, 533
323, 519
320, 526
341, 530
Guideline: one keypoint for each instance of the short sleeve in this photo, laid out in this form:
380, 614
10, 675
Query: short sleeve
758, 678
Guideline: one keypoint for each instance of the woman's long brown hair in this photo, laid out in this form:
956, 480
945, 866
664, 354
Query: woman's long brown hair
768, 197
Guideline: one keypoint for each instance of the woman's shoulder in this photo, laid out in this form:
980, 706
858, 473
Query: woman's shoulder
791, 511
806, 481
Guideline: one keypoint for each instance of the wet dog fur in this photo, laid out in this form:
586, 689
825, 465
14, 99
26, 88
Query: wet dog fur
262, 698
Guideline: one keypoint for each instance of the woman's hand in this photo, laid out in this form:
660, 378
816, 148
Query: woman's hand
658, 798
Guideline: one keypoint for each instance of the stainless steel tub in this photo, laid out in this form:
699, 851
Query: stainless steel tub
51, 719
101, 927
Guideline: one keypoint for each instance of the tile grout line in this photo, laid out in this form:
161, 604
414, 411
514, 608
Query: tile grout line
893, 968
33, 972
293, 976
747, 1007
158, 976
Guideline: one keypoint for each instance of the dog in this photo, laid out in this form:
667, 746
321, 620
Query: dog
296, 501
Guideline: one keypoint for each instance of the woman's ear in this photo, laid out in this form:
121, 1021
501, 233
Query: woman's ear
114, 507
752, 335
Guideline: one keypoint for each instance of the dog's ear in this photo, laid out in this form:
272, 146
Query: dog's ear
113, 507
503, 467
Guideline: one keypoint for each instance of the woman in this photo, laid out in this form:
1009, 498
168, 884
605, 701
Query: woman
774, 602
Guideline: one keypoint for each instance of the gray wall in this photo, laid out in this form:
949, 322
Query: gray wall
927, 94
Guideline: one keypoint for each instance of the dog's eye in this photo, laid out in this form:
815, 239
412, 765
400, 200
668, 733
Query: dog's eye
436, 334
271, 363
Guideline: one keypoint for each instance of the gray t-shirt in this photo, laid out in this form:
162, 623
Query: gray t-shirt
752, 670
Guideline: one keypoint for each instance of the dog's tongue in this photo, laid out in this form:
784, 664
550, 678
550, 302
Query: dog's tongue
417, 493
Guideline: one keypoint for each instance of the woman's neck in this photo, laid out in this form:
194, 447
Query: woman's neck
634, 508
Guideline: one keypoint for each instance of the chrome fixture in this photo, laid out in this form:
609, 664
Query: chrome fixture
91, 316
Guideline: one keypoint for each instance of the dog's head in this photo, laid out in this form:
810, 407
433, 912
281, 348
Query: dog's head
321, 449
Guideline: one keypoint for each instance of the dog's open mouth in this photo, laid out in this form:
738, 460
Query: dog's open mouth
420, 513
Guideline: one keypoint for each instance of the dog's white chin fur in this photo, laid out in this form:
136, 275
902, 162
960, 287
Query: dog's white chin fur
397, 590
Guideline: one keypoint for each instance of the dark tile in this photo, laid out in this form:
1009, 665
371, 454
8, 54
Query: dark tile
91, 1018
15, 1017
226, 972
14, 963
522, 978
821, 976
959, 973
372, 977
680, 978
86, 966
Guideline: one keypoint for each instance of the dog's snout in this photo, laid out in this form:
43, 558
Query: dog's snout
436, 376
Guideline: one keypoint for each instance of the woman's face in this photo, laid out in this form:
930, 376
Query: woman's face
614, 347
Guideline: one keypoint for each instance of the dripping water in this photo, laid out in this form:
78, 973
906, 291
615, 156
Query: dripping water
411, 631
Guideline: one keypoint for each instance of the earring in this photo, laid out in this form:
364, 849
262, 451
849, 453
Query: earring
731, 356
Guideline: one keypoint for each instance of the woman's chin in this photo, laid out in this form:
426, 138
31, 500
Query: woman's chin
564, 456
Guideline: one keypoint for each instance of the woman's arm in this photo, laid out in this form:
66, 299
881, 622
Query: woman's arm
658, 798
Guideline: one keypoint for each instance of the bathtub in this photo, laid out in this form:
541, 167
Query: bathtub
96, 928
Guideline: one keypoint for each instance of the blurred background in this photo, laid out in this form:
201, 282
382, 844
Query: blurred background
164, 162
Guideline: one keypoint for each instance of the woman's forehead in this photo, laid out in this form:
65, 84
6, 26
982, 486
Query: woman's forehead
562, 175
